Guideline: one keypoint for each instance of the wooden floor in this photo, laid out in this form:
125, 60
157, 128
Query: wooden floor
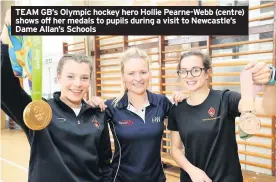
15, 152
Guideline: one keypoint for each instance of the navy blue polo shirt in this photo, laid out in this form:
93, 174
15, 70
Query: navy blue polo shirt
138, 142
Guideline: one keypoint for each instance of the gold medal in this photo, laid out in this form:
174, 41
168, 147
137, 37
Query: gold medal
37, 115
249, 123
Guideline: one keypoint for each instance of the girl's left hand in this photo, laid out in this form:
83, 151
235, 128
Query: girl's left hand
177, 97
97, 102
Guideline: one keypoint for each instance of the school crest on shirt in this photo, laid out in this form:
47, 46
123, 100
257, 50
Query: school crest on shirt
211, 111
96, 123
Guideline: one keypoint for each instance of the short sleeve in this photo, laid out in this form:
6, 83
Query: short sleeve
233, 103
167, 106
172, 125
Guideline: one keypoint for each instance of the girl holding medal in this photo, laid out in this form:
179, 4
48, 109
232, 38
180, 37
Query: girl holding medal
75, 146
205, 123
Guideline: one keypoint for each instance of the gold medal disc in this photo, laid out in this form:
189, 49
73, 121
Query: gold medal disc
37, 115
249, 123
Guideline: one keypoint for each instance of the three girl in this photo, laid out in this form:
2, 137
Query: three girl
76, 145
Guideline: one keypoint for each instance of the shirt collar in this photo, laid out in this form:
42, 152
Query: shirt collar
84, 105
123, 103
132, 108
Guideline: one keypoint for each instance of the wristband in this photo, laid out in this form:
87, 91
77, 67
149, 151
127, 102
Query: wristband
273, 76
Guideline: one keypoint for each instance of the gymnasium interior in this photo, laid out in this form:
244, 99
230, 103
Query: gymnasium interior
229, 55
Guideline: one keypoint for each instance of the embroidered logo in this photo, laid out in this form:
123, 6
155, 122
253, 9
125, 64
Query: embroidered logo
96, 123
211, 111
126, 122
156, 119
61, 120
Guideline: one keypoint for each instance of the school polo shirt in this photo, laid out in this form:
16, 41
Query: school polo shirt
207, 131
141, 113
138, 142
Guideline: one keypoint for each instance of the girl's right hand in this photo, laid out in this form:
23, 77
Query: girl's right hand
197, 175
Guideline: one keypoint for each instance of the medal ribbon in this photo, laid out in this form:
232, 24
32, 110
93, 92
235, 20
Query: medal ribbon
36, 42
248, 92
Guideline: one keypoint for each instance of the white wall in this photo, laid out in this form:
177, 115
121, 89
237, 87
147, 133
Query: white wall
5, 5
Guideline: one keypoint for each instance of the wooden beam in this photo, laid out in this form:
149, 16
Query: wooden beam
74, 50
97, 64
76, 43
161, 61
161, 49
106, 37
65, 47
261, 6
